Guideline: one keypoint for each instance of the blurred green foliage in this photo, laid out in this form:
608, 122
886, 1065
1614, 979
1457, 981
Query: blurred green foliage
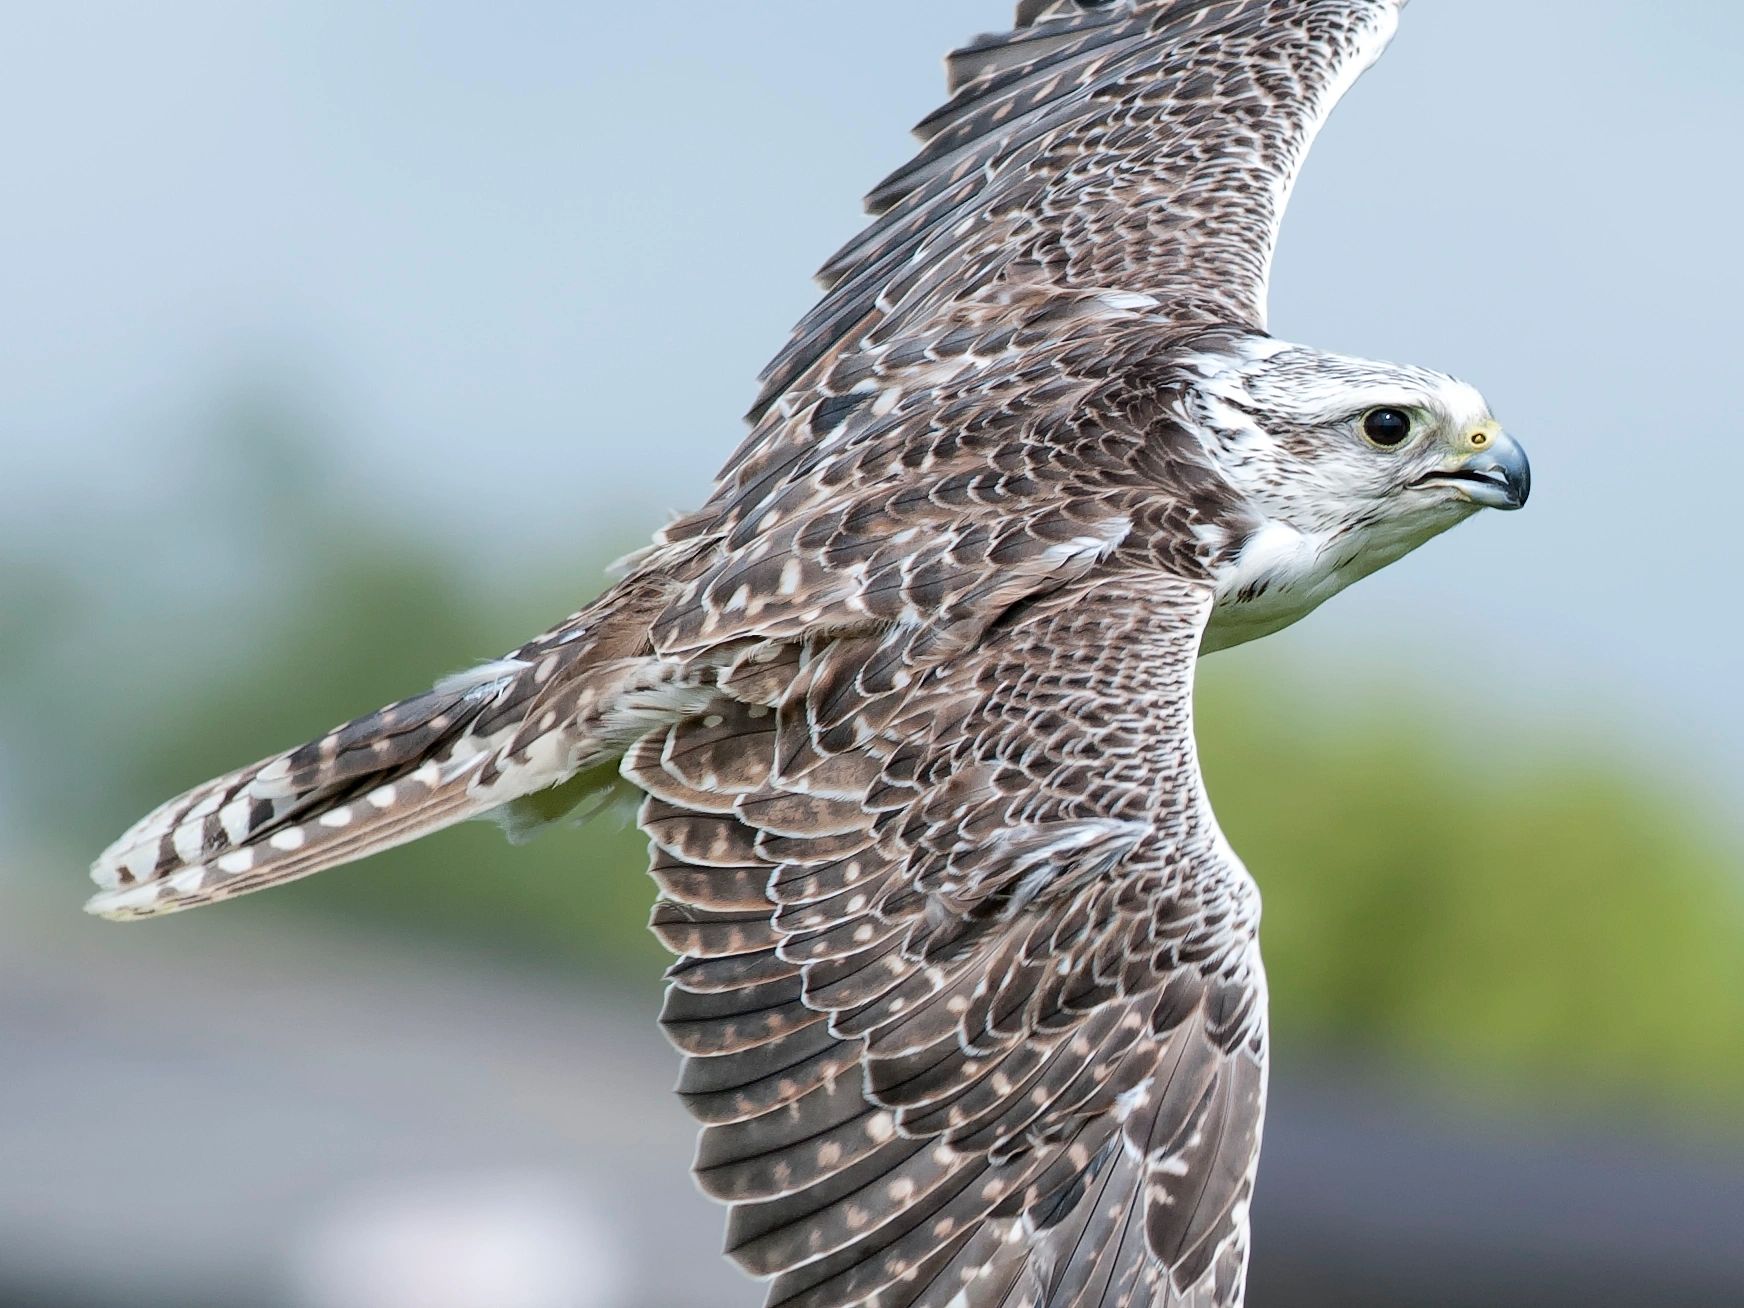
1542, 913
1552, 919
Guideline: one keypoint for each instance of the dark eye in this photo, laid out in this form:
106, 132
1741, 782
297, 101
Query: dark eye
1388, 428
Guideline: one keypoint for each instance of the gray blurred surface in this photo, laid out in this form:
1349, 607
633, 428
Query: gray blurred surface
192, 1117
183, 1111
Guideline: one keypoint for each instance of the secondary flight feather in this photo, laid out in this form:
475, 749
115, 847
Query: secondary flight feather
968, 984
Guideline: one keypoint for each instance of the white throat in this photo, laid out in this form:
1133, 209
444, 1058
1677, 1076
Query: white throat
1281, 575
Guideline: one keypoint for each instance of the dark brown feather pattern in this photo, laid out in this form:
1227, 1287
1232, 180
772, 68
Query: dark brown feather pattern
1147, 146
985, 966
969, 991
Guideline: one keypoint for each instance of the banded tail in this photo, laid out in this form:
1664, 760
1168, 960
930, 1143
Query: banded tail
376, 782
501, 740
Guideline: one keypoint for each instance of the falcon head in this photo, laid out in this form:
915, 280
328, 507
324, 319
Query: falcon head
1340, 467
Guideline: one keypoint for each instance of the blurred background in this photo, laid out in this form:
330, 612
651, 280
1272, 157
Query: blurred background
343, 343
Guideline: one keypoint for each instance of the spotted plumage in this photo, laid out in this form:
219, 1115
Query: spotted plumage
969, 989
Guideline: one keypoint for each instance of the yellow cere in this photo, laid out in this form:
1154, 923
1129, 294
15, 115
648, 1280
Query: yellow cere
1479, 437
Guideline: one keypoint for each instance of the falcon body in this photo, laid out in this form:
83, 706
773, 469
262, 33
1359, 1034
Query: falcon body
968, 985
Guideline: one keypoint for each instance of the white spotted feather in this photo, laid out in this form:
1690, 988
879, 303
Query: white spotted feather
968, 988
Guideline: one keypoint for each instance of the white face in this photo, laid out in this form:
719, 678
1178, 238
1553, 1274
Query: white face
1345, 466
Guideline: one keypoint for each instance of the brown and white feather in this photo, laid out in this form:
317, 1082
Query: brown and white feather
968, 989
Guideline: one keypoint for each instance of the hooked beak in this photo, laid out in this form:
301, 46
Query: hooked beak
1498, 476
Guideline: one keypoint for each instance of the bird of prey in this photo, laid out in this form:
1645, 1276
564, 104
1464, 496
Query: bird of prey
968, 980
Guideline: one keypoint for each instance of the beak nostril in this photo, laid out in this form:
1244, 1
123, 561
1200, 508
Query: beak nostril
1480, 439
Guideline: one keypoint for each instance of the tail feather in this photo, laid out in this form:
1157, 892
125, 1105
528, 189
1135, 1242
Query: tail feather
524, 739
371, 784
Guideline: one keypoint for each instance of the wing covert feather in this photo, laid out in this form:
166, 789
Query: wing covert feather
1020, 982
1148, 146
968, 991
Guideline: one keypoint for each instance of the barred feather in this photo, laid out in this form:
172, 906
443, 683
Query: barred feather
371, 784
968, 991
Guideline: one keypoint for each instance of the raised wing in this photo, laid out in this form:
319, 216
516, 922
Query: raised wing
969, 986
1139, 145
969, 983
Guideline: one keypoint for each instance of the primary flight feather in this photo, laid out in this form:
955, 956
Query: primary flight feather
969, 985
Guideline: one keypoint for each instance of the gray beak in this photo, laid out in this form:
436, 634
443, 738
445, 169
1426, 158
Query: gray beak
1499, 476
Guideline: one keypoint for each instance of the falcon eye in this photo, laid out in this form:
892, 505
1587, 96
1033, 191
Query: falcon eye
1388, 428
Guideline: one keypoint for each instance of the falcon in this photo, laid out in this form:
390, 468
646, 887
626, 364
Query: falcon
968, 986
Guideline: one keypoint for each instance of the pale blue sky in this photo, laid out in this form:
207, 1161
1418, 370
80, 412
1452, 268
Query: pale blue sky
529, 256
